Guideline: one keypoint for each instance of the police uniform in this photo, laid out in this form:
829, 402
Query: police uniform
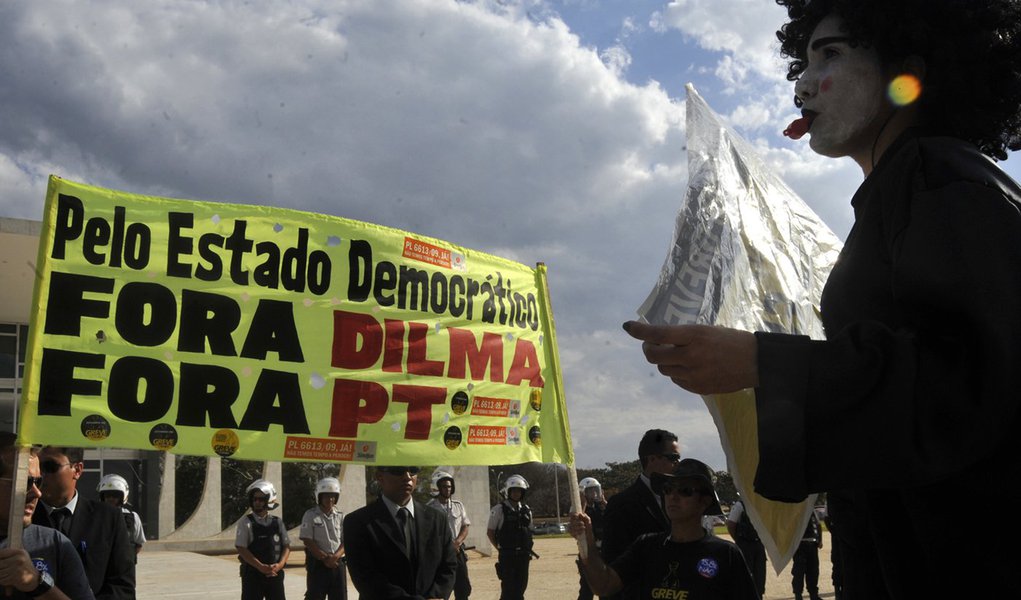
514, 536
457, 517
805, 570
747, 539
265, 537
327, 531
136, 534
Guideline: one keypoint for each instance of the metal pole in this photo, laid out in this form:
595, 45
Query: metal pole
556, 487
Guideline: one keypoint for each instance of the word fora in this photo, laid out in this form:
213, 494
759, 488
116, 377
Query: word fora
141, 389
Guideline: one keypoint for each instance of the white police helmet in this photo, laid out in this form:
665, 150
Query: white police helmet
514, 481
113, 483
327, 485
589, 482
266, 488
434, 483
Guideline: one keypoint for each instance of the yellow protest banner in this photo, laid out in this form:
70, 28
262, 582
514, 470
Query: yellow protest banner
261, 333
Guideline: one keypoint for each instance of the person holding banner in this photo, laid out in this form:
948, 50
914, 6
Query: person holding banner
914, 392
509, 530
322, 531
46, 565
398, 547
683, 562
638, 510
262, 544
593, 504
96, 529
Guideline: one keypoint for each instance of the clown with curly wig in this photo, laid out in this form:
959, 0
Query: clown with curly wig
909, 411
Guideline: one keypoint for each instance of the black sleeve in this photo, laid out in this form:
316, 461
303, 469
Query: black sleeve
119, 582
617, 534
880, 407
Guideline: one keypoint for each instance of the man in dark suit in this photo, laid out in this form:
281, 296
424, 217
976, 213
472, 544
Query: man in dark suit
637, 510
397, 547
96, 529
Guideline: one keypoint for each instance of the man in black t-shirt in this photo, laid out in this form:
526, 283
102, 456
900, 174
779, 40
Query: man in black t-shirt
685, 562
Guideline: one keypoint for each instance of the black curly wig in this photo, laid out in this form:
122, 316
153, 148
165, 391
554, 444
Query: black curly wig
971, 48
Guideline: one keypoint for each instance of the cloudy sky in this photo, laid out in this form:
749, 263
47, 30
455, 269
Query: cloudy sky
547, 131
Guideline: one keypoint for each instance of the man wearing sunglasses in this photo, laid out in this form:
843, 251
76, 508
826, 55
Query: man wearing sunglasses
684, 562
46, 566
637, 510
398, 547
96, 529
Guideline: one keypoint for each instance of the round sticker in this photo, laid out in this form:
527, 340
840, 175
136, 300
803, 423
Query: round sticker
459, 403
96, 427
163, 436
708, 568
535, 399
452, 438
225, 442
534, 435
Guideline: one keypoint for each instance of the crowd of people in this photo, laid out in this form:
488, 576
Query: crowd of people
912, 394
395, 547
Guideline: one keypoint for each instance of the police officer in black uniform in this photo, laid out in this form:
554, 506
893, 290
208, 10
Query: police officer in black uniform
747, 539
263, 545
509, 529
805, 570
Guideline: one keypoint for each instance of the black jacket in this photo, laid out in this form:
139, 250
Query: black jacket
917, 388
629, 515
100, 536
379, 565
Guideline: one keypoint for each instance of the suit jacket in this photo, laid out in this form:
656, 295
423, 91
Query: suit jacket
630, 514
100, 537
377, 560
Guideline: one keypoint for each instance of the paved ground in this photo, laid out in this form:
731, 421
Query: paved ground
184, 575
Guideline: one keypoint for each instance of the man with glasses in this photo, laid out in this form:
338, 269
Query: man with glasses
46, 566
96, 529
683, 562
637, 510
398, 547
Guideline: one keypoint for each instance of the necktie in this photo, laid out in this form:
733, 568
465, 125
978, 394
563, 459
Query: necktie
404, 520
61, 518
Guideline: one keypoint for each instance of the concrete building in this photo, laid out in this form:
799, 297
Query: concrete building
152, 474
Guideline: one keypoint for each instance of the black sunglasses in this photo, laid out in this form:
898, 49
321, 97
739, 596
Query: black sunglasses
671, 456
687, 492
52, 466
400, 471
32, 482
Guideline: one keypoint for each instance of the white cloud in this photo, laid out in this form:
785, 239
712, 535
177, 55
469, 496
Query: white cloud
484, 124
739, 29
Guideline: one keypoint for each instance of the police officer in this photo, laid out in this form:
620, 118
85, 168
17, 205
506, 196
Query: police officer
747, 539
442, 489
263, 545
594, 505
509, 529
805, 569
322, 531
113, 489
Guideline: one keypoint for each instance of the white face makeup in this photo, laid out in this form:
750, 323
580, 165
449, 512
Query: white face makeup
845, 88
